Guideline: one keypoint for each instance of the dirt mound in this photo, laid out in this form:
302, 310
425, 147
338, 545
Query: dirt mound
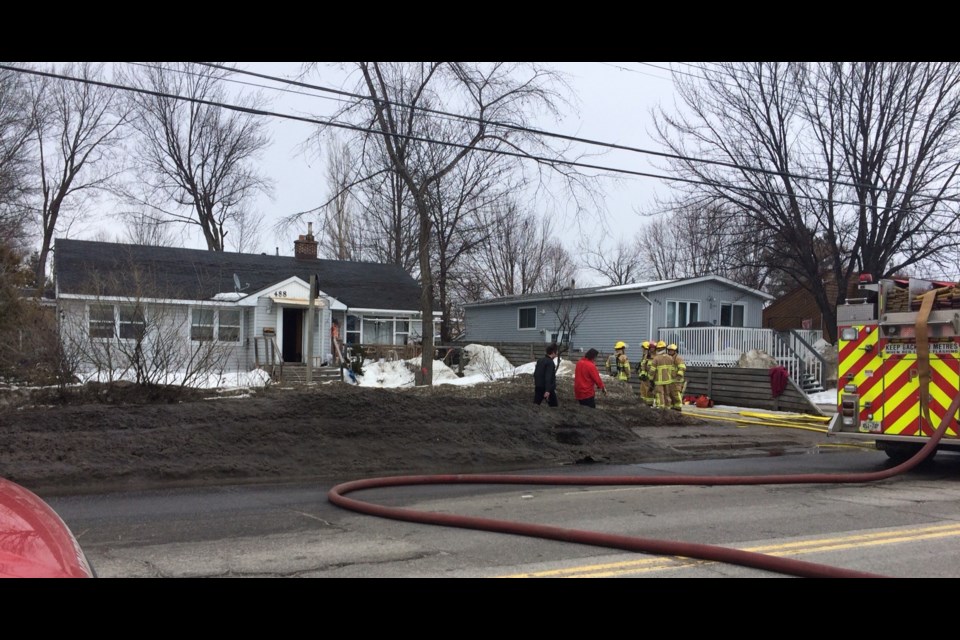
128, 437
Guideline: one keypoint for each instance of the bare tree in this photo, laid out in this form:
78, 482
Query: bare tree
77, 126
342, 234
519, 256
142, 227
390, 221
16, 135
859, 158
692, 238
569, 312
457, 202
246, 231
200, 158
398, 97
619, 260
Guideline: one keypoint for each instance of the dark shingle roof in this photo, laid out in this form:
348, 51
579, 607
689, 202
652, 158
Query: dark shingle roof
107, 268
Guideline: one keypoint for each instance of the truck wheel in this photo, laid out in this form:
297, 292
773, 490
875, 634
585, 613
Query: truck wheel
903, 451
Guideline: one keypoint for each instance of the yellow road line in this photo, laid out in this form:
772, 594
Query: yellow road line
819, 545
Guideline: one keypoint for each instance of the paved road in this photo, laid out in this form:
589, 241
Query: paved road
293, 531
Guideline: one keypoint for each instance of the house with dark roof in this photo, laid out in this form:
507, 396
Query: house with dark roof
171, 306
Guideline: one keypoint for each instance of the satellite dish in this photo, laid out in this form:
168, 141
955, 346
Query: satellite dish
236, 284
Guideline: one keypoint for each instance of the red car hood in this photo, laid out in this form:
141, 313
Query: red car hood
34, 541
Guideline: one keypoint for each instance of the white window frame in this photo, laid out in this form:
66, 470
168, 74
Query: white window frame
214, 325
520, 316
398, 330
118, 323
732, 305
102, 323
401, 336
131, 321
221, 325
355, 333
677, 304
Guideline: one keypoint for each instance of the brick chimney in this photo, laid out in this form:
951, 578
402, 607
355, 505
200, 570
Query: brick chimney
305, 247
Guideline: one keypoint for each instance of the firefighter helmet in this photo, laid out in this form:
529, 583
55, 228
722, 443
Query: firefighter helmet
645, 344
620, 345
661, 344
671, 347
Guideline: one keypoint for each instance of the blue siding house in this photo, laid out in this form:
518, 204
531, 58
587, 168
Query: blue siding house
600, 316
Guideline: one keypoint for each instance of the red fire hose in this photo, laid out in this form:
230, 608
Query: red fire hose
337, 495
801, 568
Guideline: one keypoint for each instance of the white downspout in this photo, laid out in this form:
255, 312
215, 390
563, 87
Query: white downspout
650, 321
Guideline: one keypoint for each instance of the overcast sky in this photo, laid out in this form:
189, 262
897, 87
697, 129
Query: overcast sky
615, 101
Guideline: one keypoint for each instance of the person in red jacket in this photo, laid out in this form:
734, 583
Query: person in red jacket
586, 379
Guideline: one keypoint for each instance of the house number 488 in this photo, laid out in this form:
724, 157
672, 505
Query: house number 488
280, 294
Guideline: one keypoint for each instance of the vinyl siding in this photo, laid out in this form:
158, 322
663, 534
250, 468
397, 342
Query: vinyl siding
604, 321
710, 296
610, 317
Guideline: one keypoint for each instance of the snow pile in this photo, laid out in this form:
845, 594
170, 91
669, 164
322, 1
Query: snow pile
823, 397
486, 361
393, 373
565, 370
484, 364
223, 380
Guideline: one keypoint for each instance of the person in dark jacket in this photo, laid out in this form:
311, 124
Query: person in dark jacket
545, 377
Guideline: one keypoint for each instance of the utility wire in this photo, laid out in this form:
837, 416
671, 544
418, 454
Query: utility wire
332, 123
540, 132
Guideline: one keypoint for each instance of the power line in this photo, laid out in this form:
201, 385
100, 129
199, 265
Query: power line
550, 134
336, 124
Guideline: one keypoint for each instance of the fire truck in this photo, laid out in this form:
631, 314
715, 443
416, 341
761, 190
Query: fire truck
898, 364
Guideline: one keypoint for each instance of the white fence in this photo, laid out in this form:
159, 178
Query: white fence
723, 346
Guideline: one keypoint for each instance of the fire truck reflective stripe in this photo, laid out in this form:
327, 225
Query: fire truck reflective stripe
904, 419
943, 388
869, 388
859, 359
893, 392
846, 347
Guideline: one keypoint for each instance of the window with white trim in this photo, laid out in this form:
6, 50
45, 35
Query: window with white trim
731, 314
370, 329
352, 333
228, 325
680, 313
124, 321
102, 322
402, 331
527, 318
201, 324
222, 325
132, 324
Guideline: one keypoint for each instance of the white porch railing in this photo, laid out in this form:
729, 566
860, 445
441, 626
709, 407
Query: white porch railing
723, 346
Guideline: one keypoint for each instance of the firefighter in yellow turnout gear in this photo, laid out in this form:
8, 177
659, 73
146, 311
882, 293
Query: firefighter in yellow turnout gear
617, 363
680, 372
646, 373
663, 376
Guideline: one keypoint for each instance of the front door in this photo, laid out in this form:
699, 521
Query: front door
292, 334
